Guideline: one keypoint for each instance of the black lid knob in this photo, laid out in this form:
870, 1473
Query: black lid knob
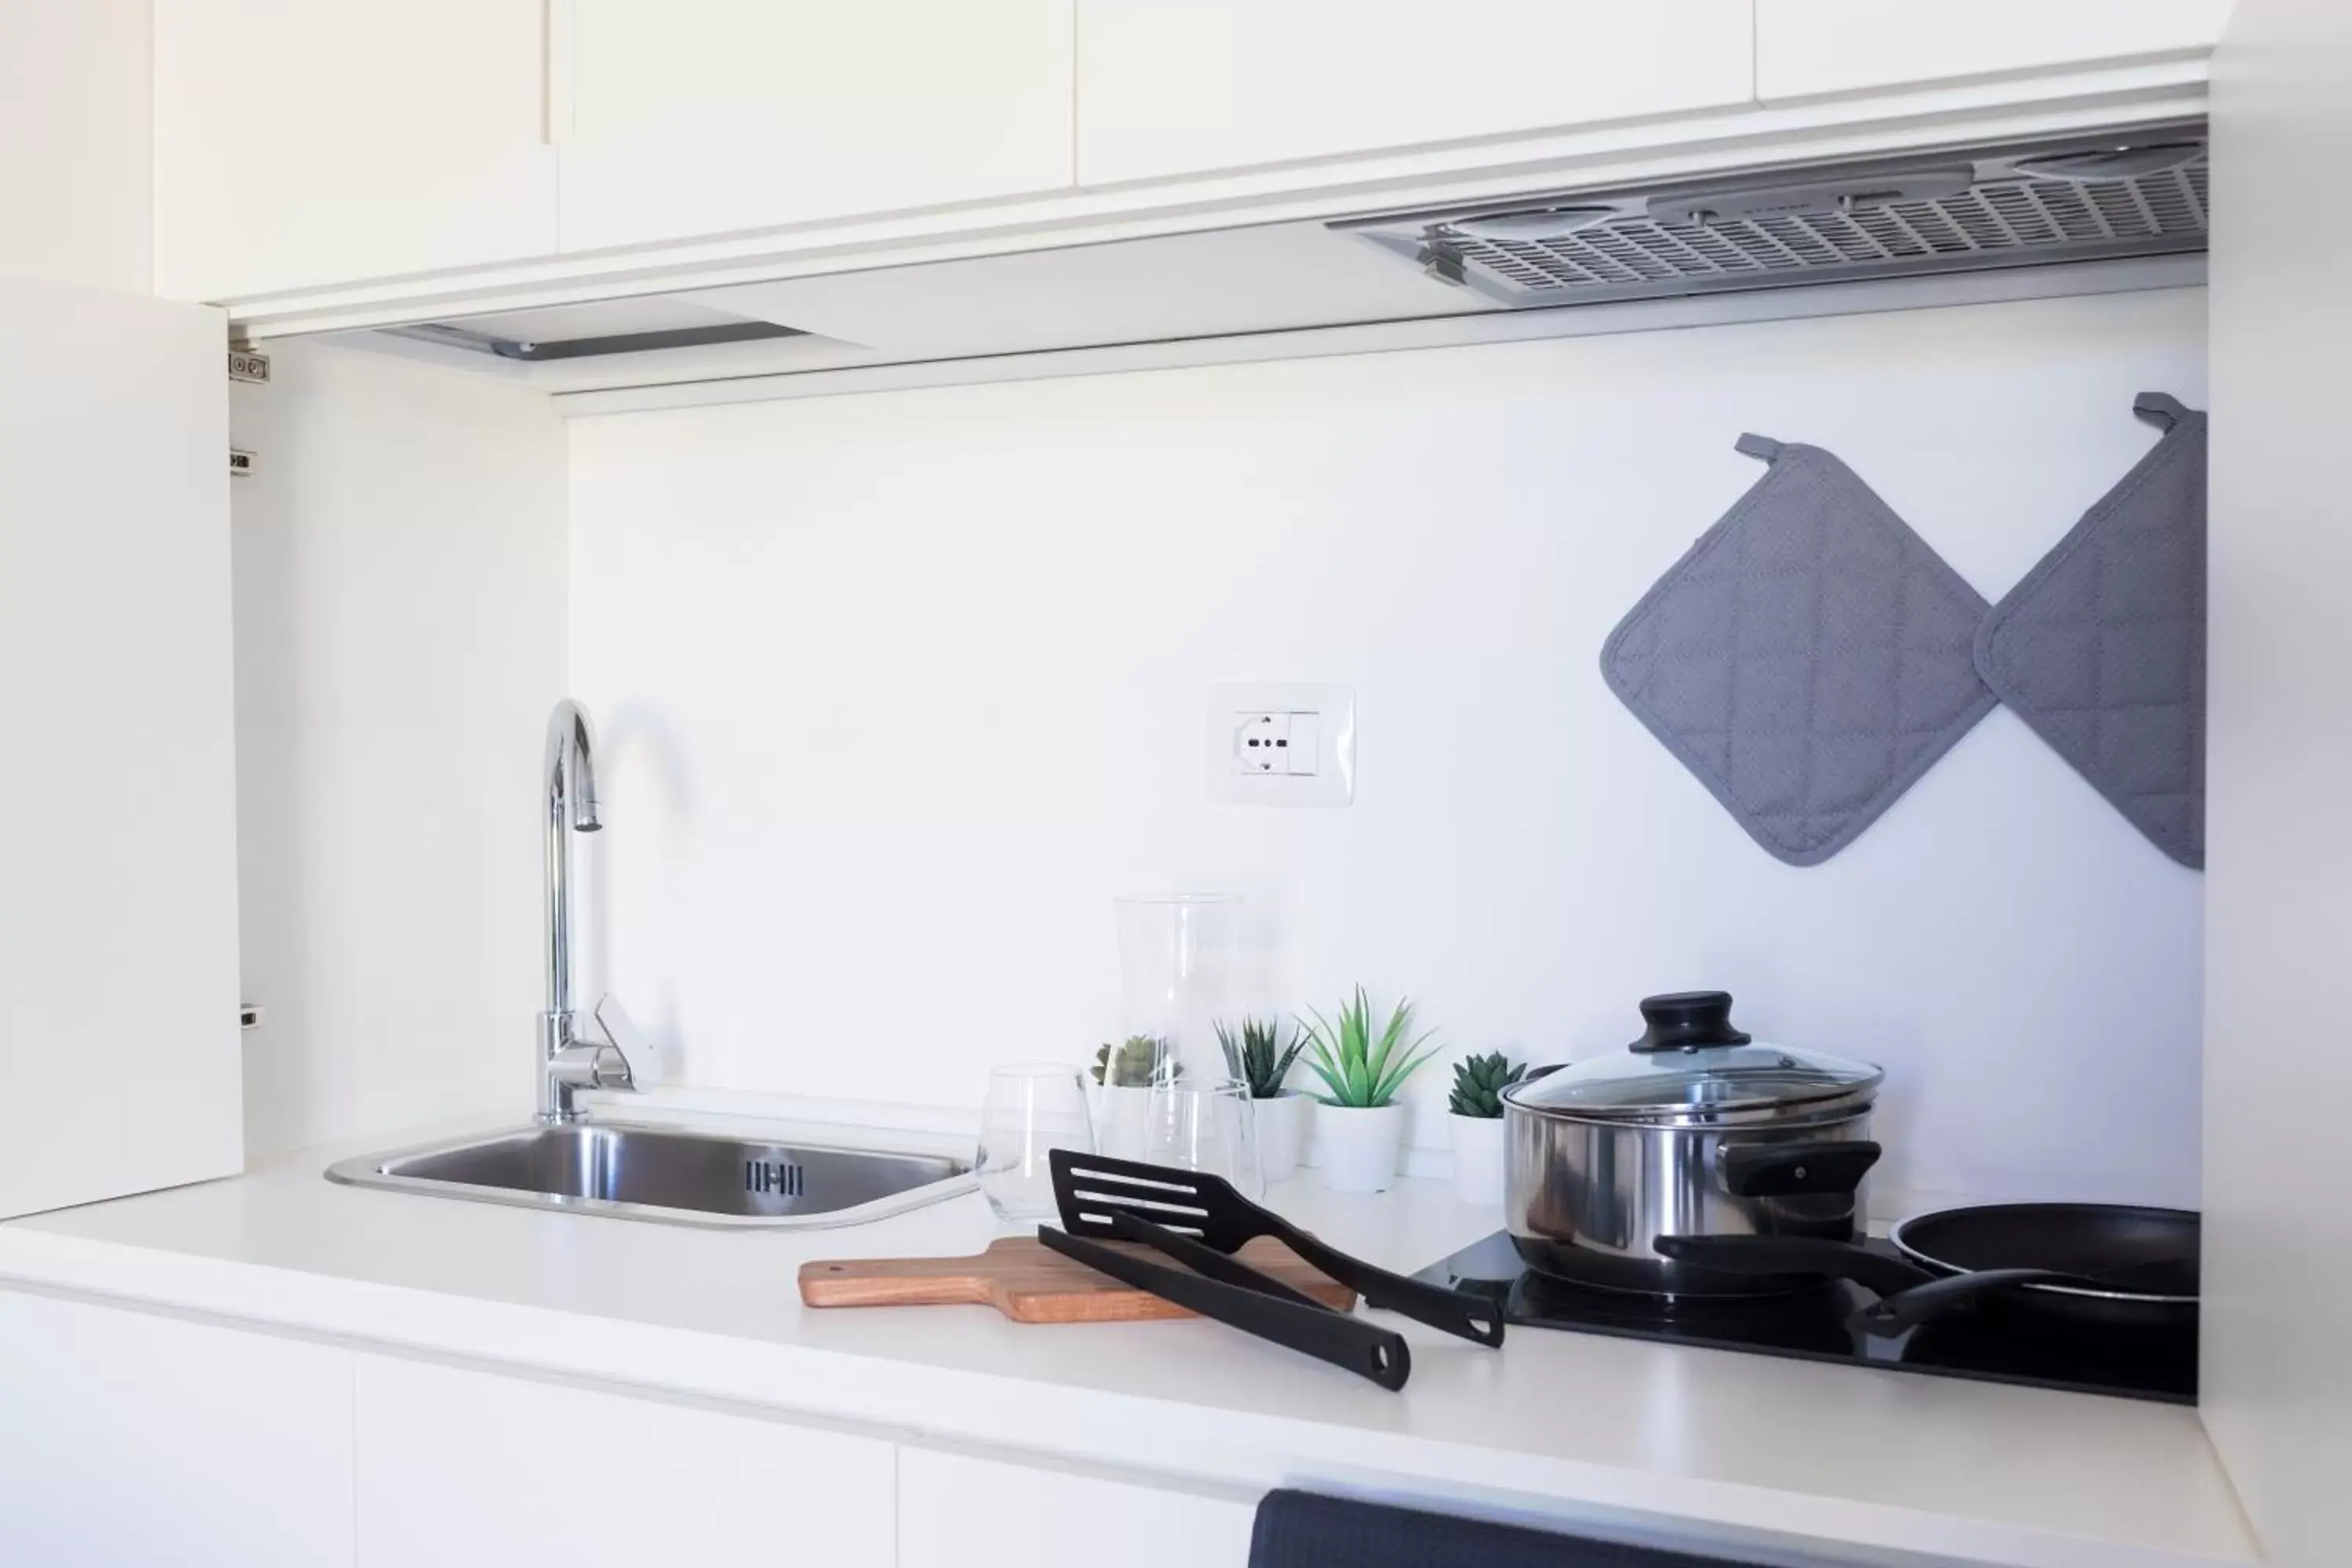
1687, 1021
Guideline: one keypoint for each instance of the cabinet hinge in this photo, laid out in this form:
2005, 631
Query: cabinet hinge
248, 365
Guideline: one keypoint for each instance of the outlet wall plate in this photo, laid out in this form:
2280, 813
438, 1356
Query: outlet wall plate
1281, 742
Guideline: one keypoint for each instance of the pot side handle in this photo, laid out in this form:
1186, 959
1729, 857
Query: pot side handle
1790, 1170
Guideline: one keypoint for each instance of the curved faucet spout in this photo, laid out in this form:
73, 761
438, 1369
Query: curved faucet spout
607, 1052
571, 785
571, 770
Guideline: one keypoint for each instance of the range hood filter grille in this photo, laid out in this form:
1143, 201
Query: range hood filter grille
2003, 221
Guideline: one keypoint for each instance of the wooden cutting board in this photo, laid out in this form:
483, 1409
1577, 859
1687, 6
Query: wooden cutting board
1031, 1283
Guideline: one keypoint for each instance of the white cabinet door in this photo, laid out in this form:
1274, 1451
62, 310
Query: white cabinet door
956, 1511
76, 141
304, 142
1222, 84
129, 1438
118, 1058
1808, 47
701, 117
458, 1467
2276, 1383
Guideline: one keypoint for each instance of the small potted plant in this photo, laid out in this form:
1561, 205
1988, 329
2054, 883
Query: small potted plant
1360, 1133
1474, 1116
1255, 1056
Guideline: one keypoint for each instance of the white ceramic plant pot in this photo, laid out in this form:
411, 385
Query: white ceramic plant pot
1477, 1157
1358, 1145
1281, 1132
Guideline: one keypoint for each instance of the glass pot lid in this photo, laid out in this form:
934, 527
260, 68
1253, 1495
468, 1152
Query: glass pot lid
1690, 1059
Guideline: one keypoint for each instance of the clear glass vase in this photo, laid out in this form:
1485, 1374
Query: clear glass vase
1176, 959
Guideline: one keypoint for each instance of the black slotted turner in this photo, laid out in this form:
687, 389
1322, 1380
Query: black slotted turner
1090, 1189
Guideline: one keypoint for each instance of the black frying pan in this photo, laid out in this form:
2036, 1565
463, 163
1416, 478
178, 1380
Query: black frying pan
2105, 1265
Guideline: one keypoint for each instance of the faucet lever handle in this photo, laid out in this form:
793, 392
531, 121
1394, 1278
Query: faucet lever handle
640, 1056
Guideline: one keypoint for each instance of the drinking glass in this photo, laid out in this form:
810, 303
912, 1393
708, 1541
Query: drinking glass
1209, 1128
1031, 1108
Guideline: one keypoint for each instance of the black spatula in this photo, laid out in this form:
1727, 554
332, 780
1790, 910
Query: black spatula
1091, 1188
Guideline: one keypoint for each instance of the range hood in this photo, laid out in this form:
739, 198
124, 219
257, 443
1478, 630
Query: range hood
2078, 200
1975, 222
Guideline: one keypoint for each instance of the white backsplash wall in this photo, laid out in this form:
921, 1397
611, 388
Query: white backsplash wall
400, 629
898, 690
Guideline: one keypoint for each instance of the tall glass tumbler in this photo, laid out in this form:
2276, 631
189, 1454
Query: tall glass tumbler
1032, 1109
1209, 1128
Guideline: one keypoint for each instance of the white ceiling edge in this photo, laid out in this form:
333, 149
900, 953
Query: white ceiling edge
1495, 169
1791, 303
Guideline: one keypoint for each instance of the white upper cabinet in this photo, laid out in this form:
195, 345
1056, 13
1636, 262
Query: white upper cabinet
307, 142
1225, 84
1808, 47
706, 117
75, 142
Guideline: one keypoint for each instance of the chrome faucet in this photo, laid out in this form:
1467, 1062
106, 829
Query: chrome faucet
603, 1049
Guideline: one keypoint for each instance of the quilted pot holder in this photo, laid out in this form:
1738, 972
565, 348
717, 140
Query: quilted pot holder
2101, 650
1809, 659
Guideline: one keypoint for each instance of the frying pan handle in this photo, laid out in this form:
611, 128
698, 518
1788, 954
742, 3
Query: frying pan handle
1906, 1310
1834, 1165
1794, 1254
1368, 1351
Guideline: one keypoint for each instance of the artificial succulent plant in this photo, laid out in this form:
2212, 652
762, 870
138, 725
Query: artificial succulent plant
1479, 1082
1255, 1056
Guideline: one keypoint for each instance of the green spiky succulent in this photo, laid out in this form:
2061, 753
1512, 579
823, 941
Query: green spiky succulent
1255, 1056
1479, 1083
1137, 1062
1363, 1068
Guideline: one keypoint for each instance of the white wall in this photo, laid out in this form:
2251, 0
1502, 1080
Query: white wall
898, 690
75, 155
400, 635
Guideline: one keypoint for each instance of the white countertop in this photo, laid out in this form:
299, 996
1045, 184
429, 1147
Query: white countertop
1768, 1458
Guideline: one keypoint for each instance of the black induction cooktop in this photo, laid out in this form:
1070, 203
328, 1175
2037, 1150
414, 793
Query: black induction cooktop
1981, 1344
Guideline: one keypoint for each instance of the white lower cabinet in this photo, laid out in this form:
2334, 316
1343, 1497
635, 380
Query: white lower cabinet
459, 1468
130, 1437
958, 1512
126, 1438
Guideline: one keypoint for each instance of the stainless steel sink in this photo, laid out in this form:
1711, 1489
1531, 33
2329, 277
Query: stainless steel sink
668, 1175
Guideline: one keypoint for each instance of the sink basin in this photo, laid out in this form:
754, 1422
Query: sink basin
666, 1174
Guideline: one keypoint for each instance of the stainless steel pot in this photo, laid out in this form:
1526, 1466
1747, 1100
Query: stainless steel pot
1695, 1129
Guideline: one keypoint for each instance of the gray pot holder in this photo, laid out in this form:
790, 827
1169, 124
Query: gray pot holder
2101, 650
1807, 659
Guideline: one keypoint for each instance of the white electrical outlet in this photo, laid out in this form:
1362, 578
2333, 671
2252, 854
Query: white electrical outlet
1261, 744
1282, 743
